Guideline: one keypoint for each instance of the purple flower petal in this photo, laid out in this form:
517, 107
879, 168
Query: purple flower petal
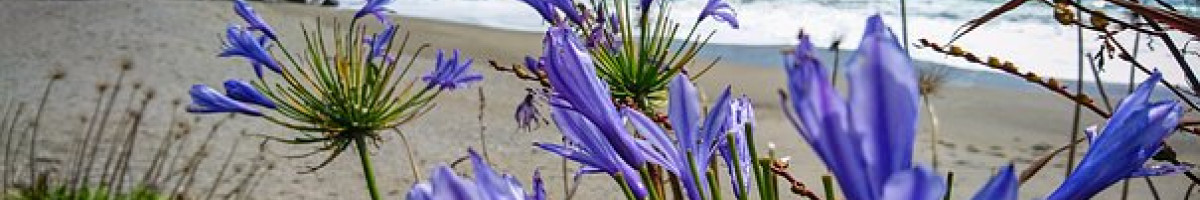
573, 78
208, 100
372, 7
822, 120
721, 10
247, 13
528, 116
539, 188
591, 149
447, 185
684, 111
867, 141
914, 184
240, 42
448, 74
420, 191
488, 184
741, 115
1002, 186
378, 43
1132, 136
244, 92
492, 184
1163, 169
883, 100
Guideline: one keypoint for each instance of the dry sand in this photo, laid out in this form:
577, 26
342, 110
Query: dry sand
173, 44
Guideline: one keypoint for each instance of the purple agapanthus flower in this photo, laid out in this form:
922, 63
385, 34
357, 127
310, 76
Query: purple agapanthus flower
586, 146
378, 44
1133, 135
573, 79
696, 141
451, 74
244, 92
867, 141
376, 8
208, 100
528, 116
255, 22
488, 185
720, 10
240, 42
583, 110
1002, 186
741, 116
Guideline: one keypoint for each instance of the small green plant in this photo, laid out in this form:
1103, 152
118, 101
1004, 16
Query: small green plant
43, 189
636, 45
335, 95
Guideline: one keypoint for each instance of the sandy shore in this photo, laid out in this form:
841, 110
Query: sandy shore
172, 44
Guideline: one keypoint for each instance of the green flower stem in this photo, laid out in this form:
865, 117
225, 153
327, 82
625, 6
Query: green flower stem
625, 187
768, 188
651, 188
772, 182
758, 173
368, 173
713, 180
695, 173
686, 41
737, 166
949, 185
827, 182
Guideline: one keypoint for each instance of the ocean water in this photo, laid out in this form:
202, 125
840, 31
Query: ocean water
1027, 36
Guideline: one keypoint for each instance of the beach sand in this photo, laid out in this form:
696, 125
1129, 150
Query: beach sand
173, 44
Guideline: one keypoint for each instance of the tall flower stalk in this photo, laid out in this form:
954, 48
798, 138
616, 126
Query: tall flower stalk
336, 96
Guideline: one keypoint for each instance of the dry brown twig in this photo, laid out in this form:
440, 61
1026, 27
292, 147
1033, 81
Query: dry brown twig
523, 74
779, 168
1050, 84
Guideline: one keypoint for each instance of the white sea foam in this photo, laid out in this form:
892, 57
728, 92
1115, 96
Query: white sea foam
1026, 36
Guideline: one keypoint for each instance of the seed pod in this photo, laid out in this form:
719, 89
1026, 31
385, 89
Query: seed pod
1030, 76
1099, 22
993, 61
1008, 66
1083, 98
1063, 14
956, 51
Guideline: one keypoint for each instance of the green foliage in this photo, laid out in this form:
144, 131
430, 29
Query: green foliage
641, 66
337, 93
340, 89
43, 189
